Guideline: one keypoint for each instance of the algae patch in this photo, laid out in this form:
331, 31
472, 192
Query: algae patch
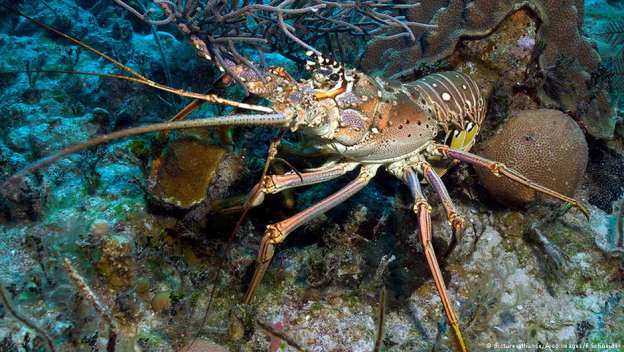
187, 170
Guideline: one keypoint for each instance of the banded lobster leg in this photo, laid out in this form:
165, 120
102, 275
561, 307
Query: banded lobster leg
423, 211
500, 169
455, 220
277, 233
273, 184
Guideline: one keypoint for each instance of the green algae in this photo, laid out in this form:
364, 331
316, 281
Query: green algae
151, 340
139, 149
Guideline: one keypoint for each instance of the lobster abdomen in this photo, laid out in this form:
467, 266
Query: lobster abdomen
453, 98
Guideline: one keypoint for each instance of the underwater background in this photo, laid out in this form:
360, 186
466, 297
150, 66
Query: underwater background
127, 246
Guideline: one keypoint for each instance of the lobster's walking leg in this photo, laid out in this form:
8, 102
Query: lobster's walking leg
277, 233
277, 183
222, 82
500, 169
218, 87
455, 220
423, 211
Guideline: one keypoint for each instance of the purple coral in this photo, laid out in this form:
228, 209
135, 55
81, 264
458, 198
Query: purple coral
525, 42
524, 48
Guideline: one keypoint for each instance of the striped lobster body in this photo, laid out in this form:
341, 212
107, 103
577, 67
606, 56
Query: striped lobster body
452, 97
398, 121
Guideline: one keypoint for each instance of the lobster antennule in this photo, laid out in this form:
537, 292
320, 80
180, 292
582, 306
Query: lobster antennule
231, 120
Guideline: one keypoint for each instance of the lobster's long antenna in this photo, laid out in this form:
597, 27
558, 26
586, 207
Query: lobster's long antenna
231, 120
138, 78
78, 42
246, 207
213, 98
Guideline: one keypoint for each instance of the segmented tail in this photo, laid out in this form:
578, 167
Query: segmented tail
452, 97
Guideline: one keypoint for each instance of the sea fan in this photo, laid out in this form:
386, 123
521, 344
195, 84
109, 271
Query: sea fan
615, 65
614, 34
616, 3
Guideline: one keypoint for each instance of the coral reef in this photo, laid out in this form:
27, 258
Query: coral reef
126, 238
603, 23
605, 173
546, 146
558, 28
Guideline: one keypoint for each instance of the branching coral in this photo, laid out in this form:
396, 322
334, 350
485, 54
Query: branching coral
229, 26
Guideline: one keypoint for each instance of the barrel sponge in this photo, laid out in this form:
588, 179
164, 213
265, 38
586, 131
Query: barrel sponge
547, 146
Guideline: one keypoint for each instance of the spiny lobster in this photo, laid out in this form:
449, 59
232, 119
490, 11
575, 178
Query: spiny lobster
415, 130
